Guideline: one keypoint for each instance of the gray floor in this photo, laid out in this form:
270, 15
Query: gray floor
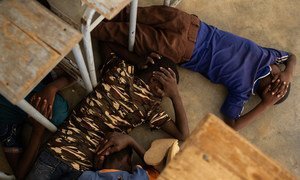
271, 23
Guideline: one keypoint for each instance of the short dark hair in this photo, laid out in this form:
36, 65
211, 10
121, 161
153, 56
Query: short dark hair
163, 62
259, 92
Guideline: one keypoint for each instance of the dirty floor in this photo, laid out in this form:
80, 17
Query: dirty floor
270, 23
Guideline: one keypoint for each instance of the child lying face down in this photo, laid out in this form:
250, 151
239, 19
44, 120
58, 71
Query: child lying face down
241, 65
122, 101
114, 160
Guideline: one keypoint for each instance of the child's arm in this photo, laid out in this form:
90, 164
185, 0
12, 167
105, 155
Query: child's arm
49, 92
180, 129
31, 150
267, 100
287, 74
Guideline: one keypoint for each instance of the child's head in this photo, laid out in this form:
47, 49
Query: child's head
147, 74
120, 160
266, 81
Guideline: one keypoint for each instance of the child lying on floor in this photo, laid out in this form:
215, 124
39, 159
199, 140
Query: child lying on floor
124, 99
44, 98
114, 160
241, 65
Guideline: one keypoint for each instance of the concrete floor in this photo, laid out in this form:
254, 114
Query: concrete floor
271, 23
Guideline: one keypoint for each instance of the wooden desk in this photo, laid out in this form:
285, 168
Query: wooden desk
215, 151
32, 43
107, 9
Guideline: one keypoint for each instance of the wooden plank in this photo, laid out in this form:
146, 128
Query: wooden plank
215, 151
39, 23
24, 61
107, 8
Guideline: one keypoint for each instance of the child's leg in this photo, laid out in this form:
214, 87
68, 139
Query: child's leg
11, 143
49, 167
147, 40
162, 17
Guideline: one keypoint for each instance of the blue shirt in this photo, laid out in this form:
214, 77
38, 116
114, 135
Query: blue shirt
233, 61
138, 174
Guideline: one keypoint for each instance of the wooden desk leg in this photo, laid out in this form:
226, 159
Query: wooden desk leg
82, 68
132, 24
31, 111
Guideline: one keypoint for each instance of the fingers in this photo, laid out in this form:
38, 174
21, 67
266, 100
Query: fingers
275, 86
37, 102
150, 60
275, 78
43, 105
155, 55
111, 150
32, 99
267, 89
100, 147
166, 72
105, 148
160, 92
49, 112
161, 77
282, 88
172, 73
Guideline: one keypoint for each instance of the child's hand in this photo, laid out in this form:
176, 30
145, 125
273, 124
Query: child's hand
269, 98
282, 80
48, 94
41, 106
167, 78
150, 59
116, 142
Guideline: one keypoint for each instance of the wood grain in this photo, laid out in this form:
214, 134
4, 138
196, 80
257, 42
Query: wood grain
215, 151
33, 41
39, 23
23, 60
107, 8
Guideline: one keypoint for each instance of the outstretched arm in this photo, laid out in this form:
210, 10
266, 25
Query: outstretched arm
268, 100
180, 129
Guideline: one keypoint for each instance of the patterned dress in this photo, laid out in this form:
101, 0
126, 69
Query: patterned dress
120, 103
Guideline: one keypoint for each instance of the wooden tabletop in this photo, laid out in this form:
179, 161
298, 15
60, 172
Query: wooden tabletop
32, 42
215, 151
107, 8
